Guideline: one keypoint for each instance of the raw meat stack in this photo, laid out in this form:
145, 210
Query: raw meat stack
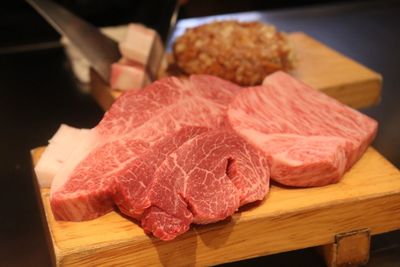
194, 150
309, 138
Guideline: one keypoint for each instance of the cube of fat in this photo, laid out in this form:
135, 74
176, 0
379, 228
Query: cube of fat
57, 151
143, 45
128, 77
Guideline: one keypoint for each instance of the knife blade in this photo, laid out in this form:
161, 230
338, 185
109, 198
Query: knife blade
97, 48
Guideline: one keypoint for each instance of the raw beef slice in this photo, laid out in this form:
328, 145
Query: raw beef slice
309, 138
204, 180
85, 185
133, 186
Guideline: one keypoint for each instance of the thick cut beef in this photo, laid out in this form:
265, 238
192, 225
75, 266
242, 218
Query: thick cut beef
85, 185
133, 186
204, 180
310, 139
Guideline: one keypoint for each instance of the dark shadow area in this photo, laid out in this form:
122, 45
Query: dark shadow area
210, 237
385, 252
388, 257
387, 241
275, 183
202, 8
46, 231
169, 253
23, 26
299, 258
253, 205
37, 94
134, 221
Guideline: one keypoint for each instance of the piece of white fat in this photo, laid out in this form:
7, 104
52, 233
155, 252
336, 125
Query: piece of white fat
143, 45
125, 76
80, 65
58, 150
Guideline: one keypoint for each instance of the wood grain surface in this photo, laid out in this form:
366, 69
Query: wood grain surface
317, 65
368, 196
334, 74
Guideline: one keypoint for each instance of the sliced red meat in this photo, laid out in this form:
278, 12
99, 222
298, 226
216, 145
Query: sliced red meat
132, 187
203, 181
85, 185
310, 139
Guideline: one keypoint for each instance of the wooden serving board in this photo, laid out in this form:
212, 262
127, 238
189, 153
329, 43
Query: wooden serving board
317, 65
368, 196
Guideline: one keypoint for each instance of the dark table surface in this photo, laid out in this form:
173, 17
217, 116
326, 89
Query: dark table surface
38, 93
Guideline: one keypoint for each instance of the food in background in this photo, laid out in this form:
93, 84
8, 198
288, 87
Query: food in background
242, 52
142, 53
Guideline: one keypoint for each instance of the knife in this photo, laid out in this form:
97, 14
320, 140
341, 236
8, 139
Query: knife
97, 48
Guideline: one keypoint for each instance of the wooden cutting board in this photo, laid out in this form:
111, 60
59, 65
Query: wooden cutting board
368, 196
318, 65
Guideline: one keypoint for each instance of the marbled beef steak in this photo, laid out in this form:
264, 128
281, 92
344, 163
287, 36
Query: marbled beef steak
310, 138
185, 151
84, 187
193, 176
203, 181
